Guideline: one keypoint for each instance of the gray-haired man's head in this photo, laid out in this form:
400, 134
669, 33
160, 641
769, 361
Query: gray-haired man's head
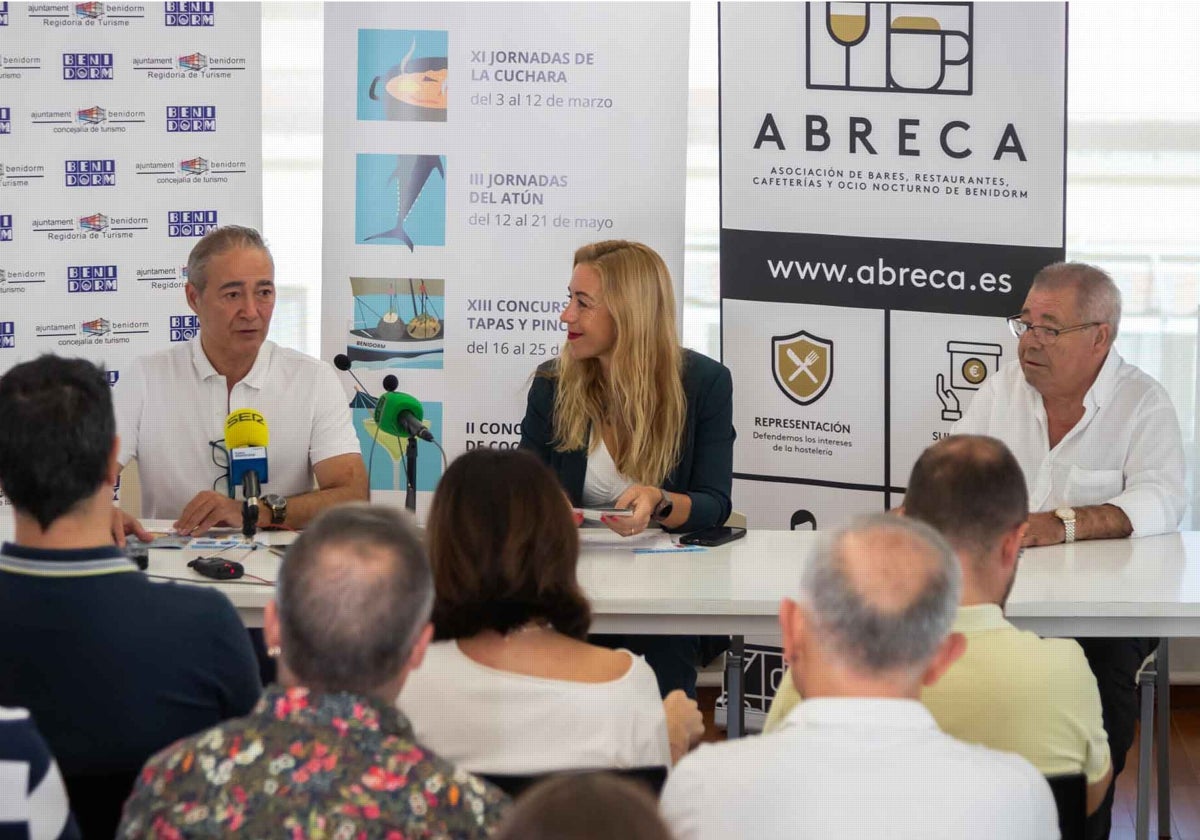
881, 594
217, 242
1097, 298
354, 592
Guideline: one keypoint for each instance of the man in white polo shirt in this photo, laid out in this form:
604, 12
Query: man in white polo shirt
171, 407
861, 757
1099, 442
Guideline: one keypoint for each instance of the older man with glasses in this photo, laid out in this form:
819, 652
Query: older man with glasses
1098, 441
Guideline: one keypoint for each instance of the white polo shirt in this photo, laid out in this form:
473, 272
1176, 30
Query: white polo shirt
857, 768
1126, 451
171, 404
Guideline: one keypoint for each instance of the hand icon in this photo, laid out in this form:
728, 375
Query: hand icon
951, 408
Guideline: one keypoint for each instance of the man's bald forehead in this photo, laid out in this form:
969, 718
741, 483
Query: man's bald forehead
888, 568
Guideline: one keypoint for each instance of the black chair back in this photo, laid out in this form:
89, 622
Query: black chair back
1070, 795
98, 800
653, 778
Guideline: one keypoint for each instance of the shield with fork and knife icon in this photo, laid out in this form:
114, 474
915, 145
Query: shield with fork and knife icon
802, 365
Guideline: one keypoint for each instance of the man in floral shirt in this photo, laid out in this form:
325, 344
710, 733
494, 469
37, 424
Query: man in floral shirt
326, 754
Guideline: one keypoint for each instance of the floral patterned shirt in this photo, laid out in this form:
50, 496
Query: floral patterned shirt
307, 765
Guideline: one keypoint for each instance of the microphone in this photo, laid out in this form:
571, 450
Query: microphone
342, 362
400, 414
246, 439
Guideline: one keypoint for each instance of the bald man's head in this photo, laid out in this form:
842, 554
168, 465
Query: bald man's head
354, 591
883, 593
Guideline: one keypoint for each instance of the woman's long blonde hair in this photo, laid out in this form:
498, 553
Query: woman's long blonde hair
643, 399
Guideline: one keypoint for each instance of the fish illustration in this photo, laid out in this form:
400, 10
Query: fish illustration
408, 192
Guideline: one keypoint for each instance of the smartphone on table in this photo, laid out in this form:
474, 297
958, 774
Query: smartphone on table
710, 537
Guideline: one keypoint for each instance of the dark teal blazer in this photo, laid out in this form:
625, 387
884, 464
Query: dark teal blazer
705, 468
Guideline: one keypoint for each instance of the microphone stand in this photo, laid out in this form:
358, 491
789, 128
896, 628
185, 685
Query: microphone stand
410, 470
250, 490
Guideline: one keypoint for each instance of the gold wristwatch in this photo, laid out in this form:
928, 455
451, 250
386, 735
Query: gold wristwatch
1067, 515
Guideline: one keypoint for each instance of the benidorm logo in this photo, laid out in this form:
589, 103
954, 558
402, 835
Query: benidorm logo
89, 10
6, 232
891, 47
5, 121
195, 61
100, 326
190, 118
87, 67
91, 278
8, 335
90, 173
189, 223
3, 14
189, 14
91, 116
195, 166
184, 327
96, 222
113, 377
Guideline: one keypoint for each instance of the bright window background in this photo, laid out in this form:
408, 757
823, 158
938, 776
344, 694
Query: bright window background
1133, 194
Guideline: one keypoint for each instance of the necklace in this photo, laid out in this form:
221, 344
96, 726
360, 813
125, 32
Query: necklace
534, 624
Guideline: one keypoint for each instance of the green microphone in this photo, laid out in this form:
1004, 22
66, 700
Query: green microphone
400, 414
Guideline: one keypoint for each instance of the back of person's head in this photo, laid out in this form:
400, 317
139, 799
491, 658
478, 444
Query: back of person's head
217, 242
1097, 297
354, 592
504, 547
882, 594
588, 806
971, 489
57, 432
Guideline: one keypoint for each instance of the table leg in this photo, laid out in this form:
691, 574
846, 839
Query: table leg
1163, 747
1141, 829
735, 708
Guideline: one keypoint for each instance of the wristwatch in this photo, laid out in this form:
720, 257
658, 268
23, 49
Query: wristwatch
278, 506
1067, 515
664, 507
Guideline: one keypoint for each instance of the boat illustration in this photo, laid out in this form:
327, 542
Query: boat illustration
395, 318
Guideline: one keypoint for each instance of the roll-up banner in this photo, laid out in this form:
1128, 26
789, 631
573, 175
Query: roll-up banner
892, 176
127, 131
469, 150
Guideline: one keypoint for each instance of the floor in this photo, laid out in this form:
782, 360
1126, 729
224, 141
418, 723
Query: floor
1185, 767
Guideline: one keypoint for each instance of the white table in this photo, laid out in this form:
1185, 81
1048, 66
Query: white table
1145, 587
1142, 587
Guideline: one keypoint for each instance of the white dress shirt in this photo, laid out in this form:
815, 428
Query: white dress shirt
1126, 451
857, 768
172, 403
485, 720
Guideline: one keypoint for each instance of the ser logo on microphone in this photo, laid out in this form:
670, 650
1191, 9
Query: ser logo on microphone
246, 439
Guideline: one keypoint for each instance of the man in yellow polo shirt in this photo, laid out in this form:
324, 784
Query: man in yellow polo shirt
1011, 690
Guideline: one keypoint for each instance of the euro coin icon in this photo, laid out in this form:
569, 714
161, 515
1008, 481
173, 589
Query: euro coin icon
974, 371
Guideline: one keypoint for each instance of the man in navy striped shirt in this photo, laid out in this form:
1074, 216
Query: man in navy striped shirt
112, 666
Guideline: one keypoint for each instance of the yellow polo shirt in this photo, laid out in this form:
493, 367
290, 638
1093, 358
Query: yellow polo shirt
1010, 691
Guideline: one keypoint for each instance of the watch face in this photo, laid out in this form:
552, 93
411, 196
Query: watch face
1065, 513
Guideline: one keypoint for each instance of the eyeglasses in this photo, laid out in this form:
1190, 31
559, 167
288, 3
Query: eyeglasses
1046, 335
